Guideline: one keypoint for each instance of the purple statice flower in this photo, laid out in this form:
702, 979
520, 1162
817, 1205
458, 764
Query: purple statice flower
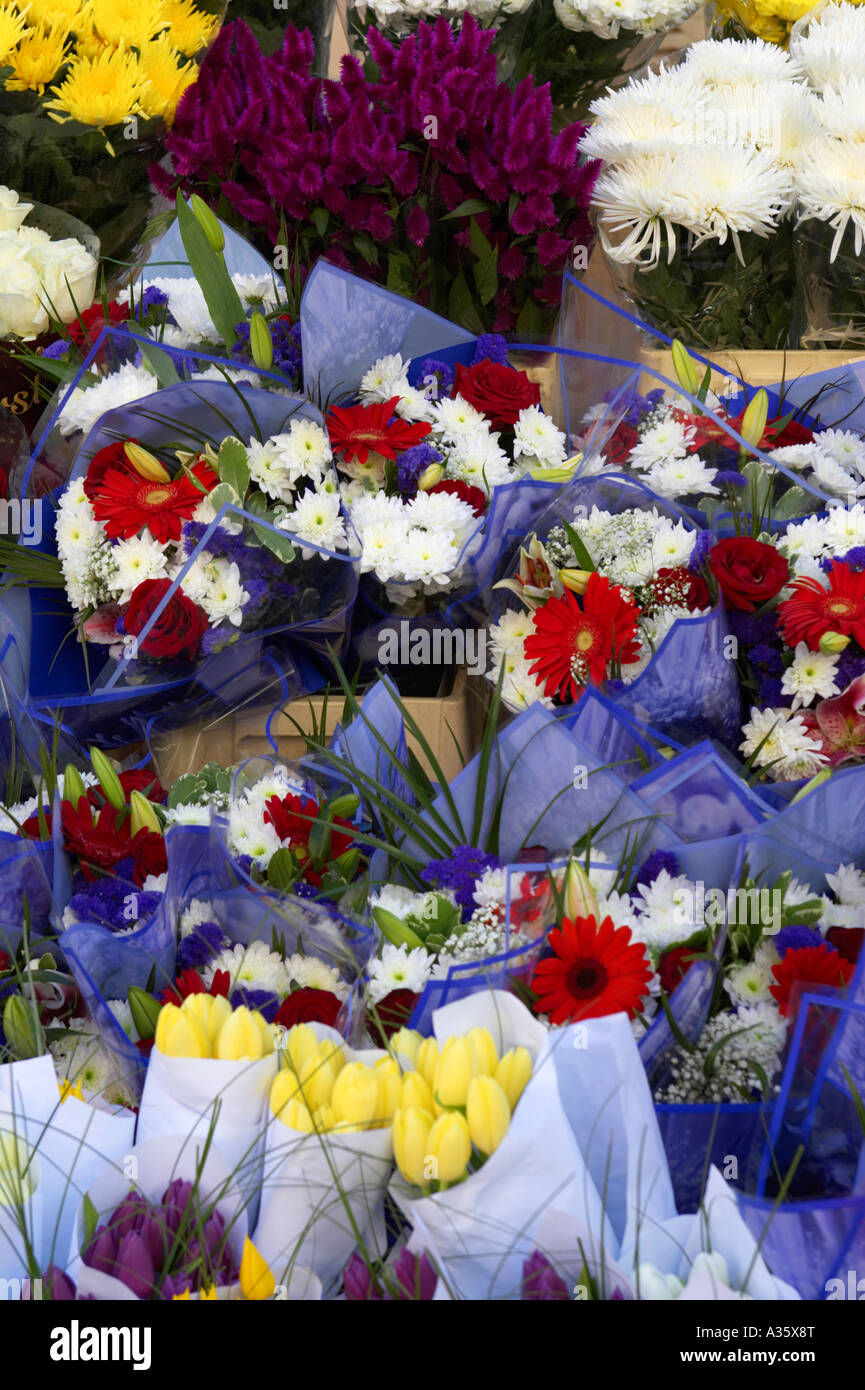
58, 348
768, 658
855, 558
152, 298
771, 695
491, 347
729, 477
264, 1000
657, 861
286, 348
411, 464
112, 902
635, 406
750, 629
540, 1281
302, 889
200, 946
850, 665
215, 638
442, 372
796, 939
459, 873
700, 553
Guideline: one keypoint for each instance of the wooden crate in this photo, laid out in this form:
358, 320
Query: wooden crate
756, 368
235, 737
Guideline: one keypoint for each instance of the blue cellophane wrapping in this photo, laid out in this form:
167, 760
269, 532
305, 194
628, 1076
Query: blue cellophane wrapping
282, 661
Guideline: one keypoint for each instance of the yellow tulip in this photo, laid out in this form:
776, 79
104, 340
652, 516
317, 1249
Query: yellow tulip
411, 1129
449, 1147
295, 1115
180, 1035
256, 1281
427, 1059
416, 1091
285, 1088
244, 1037
355, 1096
211, 1010
406, 1043
513, 1074
389, 1079
481, 1042
487, 1113
330, 1051
300, 1042
324, 1118
457, 1065
316, 1080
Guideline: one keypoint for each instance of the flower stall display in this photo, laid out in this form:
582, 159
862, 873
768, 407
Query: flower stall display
87, 92
385, 178
576, 46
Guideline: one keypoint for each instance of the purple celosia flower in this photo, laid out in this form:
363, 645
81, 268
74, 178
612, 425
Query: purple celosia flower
411, 464
200, 946
658, 861
540, 1281
459, 873
797, 938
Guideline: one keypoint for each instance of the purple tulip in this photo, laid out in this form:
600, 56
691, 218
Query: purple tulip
176, 1201
102, 1251
127, 1217
58, 1284
358, 1283
133, 1266
153, 1233
540, 1281
416, 1278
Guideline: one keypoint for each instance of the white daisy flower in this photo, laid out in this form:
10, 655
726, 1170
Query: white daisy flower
811, 675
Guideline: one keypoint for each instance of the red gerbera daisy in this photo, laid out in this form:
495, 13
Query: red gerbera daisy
125, 502
813, 965
293, 820
98, 844
356, 431
571, 646
812, 611
597, 970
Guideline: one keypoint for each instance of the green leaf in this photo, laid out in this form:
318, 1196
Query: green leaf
530, 321
221, 494
154, 356
485, 269
461, 306
282, 870
91, 1220
278, 544
364, 244
320, 218
584, 559
401, 277
794, 502
209, 268
466, 209
234, 465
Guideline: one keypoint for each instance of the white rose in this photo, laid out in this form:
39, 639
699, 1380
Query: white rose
68, 274
12, 212
20, 310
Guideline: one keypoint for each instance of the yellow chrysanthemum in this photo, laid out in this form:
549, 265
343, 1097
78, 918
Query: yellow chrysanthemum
36, 60
13, 28
190, 29
164, 81
62, 14
126, 23
99, 91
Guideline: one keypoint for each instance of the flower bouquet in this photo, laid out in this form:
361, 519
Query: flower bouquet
578, 47
86, 94
614, 592
218, 583
394, 169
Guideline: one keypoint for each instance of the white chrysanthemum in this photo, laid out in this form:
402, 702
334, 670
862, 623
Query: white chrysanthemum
304, 450
664, 439
830, 182
249, 834
607, 18
713, 192
725, 63
197, 912
382, 544
317, 519
257, 291
254, 967
507, 636
476, 458
87, 404
804, 540
672, 545
188, 813
238, 375
454, 417
648, 115
120, 1010
137, 559
811, 675
76, 529
393, 897
80, 1056
399, 968
667, 909
779, 118
845, 447
620, 907
225, 596
537, 437
428, 557
380, 381
789, 751
848, 885
835, 477
188, 307
311, 973
681, 477
763, 1020
840, 109
270, 468
441, 511
832, 43
491, 888
749, 984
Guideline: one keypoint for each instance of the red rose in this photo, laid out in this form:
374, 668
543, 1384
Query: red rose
112, 456
309, 1006
179, 628
847, 941
678, 586
4, 961
499, 392
144, 780
475, 496
748, 572
673, 966
618, 447
393, 1012
148, 850
87, 326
